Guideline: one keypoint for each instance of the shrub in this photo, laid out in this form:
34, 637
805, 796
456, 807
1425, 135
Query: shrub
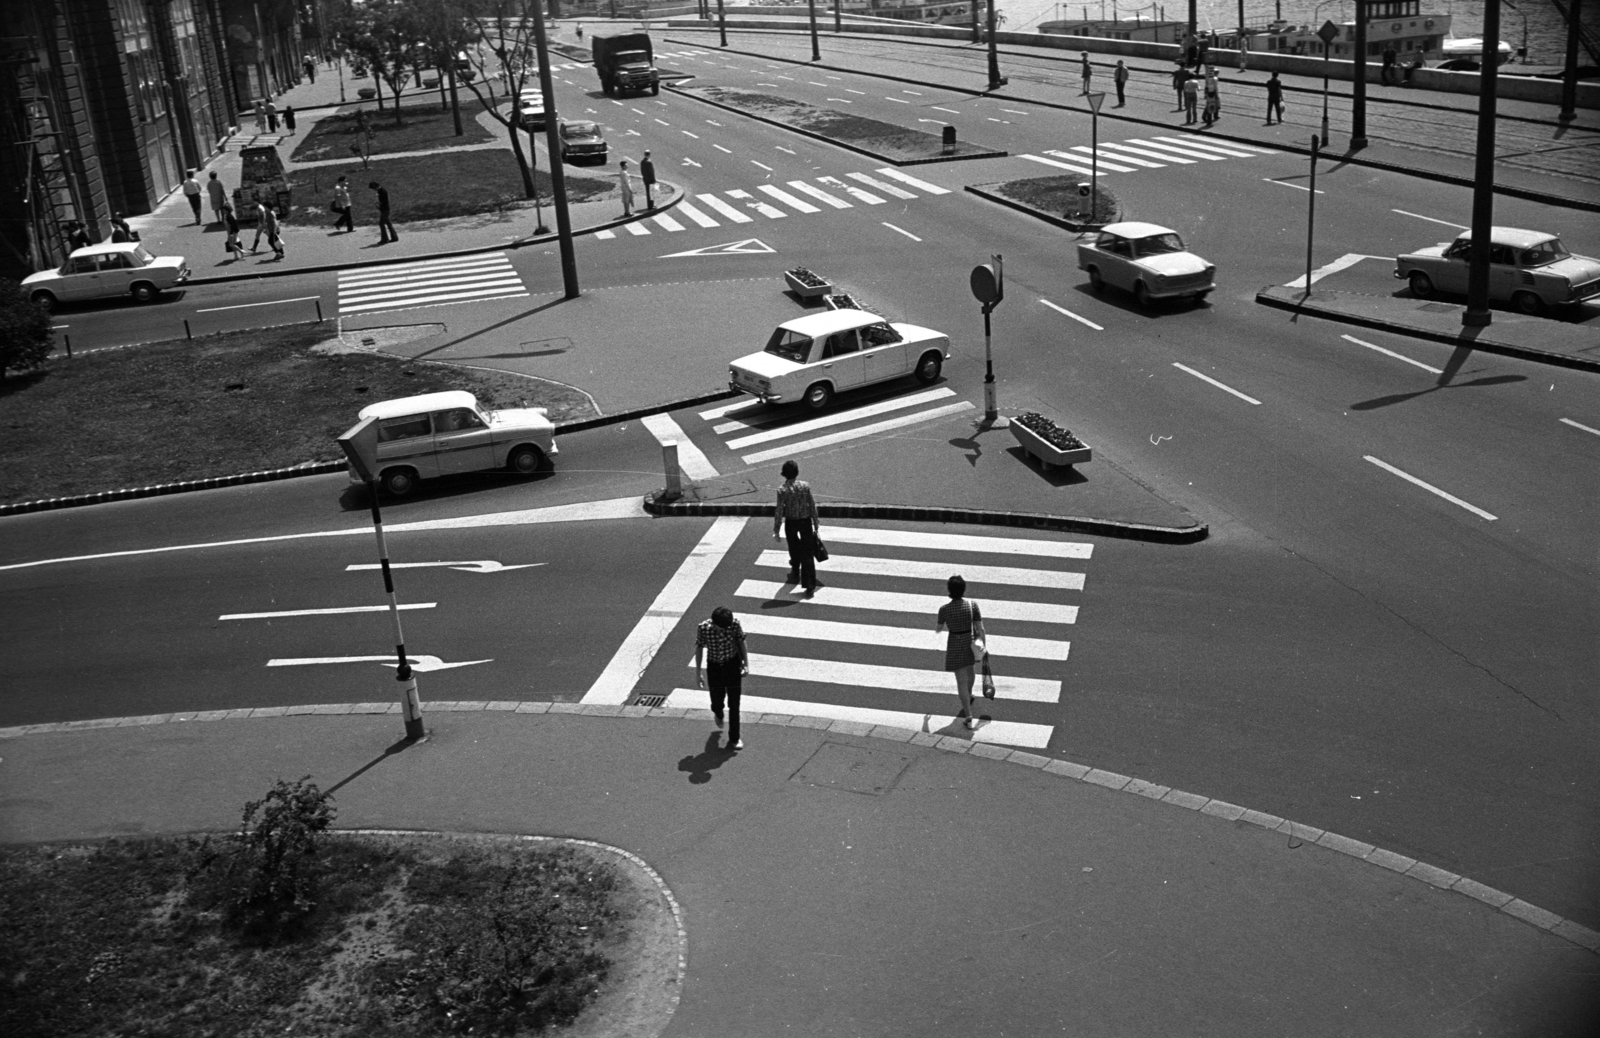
25, 335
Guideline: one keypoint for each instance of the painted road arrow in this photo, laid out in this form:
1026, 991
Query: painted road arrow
484, 566
734, 248
420, 664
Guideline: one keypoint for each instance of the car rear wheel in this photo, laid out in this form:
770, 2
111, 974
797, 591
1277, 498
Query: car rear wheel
928, 368
144, 292
1096, 282
44, 301
398, 482
525, 460
1421, 285
655, 88
819, 396
1141, 293
1528, 303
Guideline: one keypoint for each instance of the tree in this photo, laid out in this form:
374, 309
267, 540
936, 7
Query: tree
502, 51
447, 31
26, 338
385, 35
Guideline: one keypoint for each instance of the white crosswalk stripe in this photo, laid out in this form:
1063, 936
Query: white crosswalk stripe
756, 427
787, 199
1085, 170
900, 602
819, 194
920, 185
770, 212
1138, 153
724, 209
1174, 159
878, 185
696, 215
1063, 579
784, 432
853, 191
859, 432
999, 733
1088, 159
1104, 153
429, 283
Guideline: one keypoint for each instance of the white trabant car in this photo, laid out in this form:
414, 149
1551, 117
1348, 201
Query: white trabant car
813, 358
436, 434
1146, 259
1528, 269
107, 271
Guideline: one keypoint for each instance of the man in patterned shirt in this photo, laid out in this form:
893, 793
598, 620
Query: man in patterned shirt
797, 514
723, 639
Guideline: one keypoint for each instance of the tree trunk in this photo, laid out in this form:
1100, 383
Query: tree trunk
377, 83
528, 188
455, 99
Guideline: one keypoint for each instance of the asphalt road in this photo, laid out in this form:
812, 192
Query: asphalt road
1348, 649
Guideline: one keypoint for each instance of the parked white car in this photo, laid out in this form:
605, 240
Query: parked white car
106, 271
1146, 259
436, 434
1528, 269
813, 358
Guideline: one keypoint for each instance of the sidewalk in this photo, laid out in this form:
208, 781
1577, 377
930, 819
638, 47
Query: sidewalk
855, 881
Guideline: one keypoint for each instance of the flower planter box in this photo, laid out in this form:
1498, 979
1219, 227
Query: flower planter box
1047, 452
805, 291
367, 93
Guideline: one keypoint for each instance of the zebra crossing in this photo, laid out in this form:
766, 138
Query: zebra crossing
745, 424
821, 195
1141, 153
864, 648
402, 286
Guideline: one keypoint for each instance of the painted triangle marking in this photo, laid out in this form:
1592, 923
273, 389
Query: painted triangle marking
748, 246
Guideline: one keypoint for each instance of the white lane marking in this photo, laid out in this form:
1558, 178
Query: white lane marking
405, 288
1419, 216
713, 122
668, 222
853, 191
725, 151
936, 108
1344, 262
898, 100
916, 92
713, 202
1297, 187
960, 542
1112, 166
1154, 145
1014, 111
1392, 353
1214, 382
848, 90
480, 566
841, 100
445, 297
770, 212
1105, 155
1256, 148
812, 82
902, 602
1175, 160
637, 111
334, 612
615, 683
420, 664
902, 230
921, 638
685, 209
686, 133
1069, 313
1474, 509
423, 265
605, 235
920, 185
1085, 170
916, 569
691, 459
900, 679
779, 147
241, 306
636, 229
888, 189
819, 194
763, 165
852, 434
998, 733
663, 122
1580, 425
787, 199
354, 286
727, 409
1209, 147
783, 432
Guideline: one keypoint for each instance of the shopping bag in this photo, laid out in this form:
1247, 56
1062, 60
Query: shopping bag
988, 679
821, 552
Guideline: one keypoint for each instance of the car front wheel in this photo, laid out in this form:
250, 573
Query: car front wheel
398, 482
45, 301
144, 292
1421, 285
1141, 294
1528, 303
819, 396
1096, 282
928, 368
525, 460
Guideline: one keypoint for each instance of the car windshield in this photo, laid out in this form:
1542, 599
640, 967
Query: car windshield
1157, 244
141, 257
789, 345
578, 130
1545, 252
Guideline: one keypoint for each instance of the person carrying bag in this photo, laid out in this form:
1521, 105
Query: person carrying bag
968, 643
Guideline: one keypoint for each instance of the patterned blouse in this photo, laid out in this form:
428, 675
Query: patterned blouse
795, 500
721, 643
960, 616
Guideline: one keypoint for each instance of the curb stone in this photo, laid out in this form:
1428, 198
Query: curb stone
1539, 918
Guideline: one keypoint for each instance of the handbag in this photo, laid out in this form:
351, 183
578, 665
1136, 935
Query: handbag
988, 679
980, 637
821, 551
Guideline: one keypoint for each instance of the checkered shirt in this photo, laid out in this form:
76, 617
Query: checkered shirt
721, 643
795, 501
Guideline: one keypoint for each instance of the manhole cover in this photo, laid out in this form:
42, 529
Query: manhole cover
1437, 308
651, 700
854, 768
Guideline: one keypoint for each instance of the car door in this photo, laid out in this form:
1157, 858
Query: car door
842, 360
116, 273
884, 362
462, 441
1119, 270
1504, 274
408, 440
82, 279
1451, 273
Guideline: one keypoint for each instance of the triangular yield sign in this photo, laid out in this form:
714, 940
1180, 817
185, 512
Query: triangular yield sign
733, 248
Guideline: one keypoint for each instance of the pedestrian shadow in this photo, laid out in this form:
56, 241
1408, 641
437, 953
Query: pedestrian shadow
700, 766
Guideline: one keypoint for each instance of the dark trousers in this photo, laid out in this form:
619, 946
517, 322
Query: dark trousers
194, 203
1121, 100
723, 679
1274, 106
386, 229
802, 537
346, 219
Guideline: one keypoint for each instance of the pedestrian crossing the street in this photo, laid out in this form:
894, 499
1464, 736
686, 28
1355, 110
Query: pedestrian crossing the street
751, 429
1142, 153
863, 647
780, 200
402, 286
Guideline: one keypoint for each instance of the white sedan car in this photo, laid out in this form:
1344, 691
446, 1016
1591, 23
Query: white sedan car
813, 358
1146, 259
1528, 269
436, 434
106, 271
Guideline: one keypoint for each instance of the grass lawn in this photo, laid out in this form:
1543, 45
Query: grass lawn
887, 139
235, 402
1058, 196
432, 187
410, 936
423, 127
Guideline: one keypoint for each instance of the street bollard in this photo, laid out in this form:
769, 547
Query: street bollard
669, 459
949, 139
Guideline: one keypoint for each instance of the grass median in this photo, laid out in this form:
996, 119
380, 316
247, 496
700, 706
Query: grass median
242, 401
422, 128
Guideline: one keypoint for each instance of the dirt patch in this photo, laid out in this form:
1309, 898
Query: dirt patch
1059, 196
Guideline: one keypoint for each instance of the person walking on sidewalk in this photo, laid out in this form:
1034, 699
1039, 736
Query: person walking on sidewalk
218, 193
964, 622
722, 639
191, 191
120, 231
1191, 98
1088, 71
1213, 107
386, 232
647, 173
1386, 73
267, 223
261, 115
311, 68
288, 119
1274, 98
1180, 76
231, 222
797, 515
341, 205
272, 116
1119, 76
625, 185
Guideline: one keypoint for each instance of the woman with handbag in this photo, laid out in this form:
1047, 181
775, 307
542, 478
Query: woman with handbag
967, 644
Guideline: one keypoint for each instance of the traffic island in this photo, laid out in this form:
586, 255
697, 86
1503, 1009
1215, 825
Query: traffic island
1060, 200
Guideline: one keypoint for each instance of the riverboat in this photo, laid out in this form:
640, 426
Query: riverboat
1397, 24
949, 12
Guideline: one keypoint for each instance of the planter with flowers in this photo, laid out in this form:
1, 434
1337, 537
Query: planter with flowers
805, 284
1047, 441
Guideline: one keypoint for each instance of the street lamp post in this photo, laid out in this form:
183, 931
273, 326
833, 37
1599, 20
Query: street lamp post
1095, 101
996, 80
1477, 314
722, 22
1311, 211
816, 51
1522, 54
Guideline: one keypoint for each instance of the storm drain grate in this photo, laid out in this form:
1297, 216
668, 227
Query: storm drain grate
651, 700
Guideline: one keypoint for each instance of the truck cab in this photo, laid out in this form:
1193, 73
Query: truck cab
625, 61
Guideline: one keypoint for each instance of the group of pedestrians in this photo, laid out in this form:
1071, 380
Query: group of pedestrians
647, 174
1192, 89
722, 657
266, 113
